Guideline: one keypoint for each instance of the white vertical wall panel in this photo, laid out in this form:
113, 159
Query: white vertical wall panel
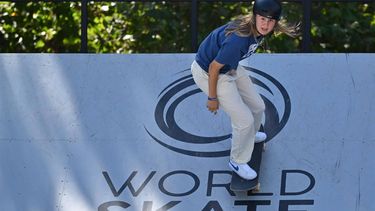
131, 132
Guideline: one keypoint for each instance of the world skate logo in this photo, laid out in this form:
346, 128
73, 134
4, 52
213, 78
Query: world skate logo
188, 128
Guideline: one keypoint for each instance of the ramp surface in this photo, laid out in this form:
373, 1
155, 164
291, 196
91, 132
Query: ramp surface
131, 132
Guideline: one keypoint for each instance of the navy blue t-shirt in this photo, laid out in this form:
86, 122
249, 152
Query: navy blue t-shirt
228, 50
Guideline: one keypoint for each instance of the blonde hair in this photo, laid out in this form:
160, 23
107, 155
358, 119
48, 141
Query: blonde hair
283, 27
244, 26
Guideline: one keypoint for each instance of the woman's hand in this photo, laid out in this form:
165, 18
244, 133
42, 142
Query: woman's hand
213, 105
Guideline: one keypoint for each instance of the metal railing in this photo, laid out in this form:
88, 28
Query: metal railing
306, 17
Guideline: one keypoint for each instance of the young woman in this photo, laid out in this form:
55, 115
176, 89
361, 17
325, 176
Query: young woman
217, 73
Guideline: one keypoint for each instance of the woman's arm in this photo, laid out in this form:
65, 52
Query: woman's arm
213, 75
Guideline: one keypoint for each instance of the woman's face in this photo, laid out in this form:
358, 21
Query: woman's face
264, 25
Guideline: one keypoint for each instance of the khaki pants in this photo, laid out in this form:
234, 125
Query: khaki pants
239, 99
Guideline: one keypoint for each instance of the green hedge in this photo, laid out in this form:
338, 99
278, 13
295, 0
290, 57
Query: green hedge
164, 27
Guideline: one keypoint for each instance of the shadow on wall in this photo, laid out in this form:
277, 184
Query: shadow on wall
57, 130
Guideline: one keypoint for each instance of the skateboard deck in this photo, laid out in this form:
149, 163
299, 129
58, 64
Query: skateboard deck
239, 184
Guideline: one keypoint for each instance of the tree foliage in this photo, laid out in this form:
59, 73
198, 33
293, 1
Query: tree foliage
348, 27
39, 27
165, 27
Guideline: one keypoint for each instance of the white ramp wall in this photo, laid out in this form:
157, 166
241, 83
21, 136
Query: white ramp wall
83, 132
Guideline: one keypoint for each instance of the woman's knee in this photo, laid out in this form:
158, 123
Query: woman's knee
259, 108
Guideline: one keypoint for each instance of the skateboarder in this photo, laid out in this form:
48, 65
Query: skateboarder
217, 73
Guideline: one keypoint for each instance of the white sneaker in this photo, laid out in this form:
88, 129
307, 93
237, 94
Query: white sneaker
260, 137
243, 170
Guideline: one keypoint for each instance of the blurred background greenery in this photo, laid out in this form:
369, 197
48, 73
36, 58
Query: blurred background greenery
164, 27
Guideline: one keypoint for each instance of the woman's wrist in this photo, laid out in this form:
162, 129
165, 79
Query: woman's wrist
212, 98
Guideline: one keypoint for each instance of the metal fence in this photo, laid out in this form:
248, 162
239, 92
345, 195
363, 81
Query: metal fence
306, 14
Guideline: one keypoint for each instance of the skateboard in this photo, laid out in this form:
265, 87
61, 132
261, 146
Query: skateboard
239, 184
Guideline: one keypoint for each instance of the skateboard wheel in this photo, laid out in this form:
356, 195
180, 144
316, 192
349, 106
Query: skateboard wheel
256, 189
